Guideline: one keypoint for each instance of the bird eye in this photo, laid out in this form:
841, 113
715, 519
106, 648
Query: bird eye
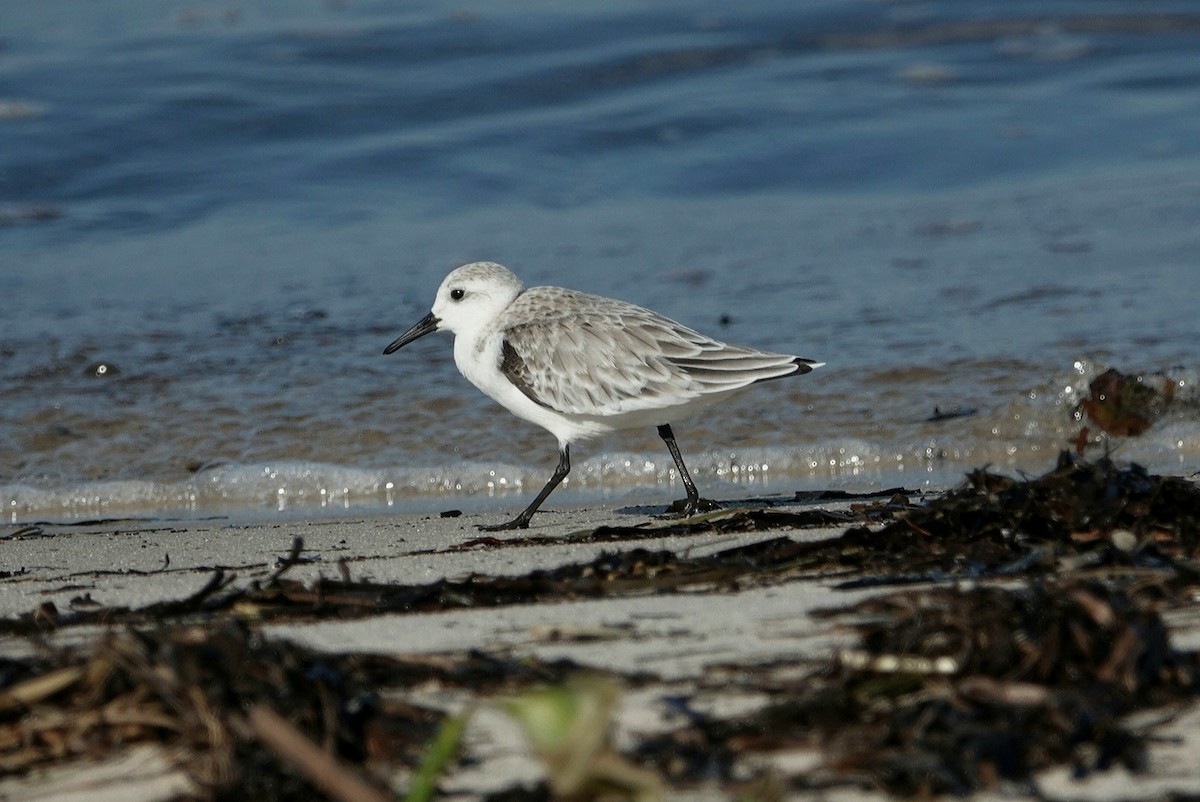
457, 294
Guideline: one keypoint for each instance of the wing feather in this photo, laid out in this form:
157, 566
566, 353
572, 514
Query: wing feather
588, 355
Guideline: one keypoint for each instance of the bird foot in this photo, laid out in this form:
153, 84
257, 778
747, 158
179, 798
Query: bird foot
520, 522
687, 507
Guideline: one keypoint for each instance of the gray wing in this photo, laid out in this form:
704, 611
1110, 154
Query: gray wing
588, 355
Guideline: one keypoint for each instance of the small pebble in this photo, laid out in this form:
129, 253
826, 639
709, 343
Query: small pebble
1124, 540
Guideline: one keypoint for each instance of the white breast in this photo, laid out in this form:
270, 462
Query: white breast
479, 361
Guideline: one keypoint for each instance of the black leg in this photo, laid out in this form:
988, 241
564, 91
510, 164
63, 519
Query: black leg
693, 504
522, 520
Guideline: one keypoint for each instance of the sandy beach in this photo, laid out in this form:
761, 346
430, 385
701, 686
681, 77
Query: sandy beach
696, 638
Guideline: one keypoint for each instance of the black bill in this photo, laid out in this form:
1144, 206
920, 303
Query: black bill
424, 326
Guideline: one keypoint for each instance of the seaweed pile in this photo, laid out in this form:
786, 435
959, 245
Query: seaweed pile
954, 691
236, 709
1079, 515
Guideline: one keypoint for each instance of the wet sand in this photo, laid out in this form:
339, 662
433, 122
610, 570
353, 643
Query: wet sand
671, 641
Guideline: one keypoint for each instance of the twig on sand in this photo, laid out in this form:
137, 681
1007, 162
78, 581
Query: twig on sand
320, 767
293, 558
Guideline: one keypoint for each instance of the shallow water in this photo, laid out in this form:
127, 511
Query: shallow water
212, 221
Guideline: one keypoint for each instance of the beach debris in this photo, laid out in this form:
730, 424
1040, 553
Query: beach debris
949, 689
957, 691
1080, 516
939, 415
22, 532
616, 573
318, 766
186, 688
1126, 406
896, 494
996, 525
260, 718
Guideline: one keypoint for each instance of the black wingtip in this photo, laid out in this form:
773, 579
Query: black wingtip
805, 365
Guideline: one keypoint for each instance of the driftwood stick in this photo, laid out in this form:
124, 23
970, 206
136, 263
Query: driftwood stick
320, 767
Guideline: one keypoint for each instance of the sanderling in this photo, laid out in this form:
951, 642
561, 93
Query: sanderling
580, 365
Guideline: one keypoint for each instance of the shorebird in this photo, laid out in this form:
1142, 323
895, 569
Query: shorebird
581, 365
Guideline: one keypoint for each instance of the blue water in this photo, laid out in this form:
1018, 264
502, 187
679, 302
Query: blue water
212, 220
